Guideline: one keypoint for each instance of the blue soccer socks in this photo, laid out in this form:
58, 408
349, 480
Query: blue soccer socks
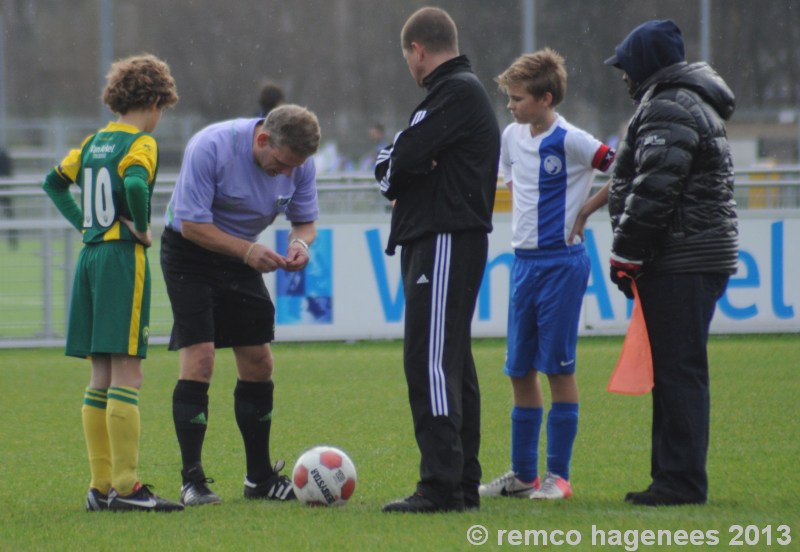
562, 428
526, 424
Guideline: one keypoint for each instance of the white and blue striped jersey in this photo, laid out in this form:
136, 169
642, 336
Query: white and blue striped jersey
551, 176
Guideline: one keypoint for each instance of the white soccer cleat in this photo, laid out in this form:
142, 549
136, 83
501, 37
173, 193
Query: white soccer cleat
554, 487
509, 484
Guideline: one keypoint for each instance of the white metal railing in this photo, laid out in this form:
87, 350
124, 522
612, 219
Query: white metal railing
755, 188
38, 247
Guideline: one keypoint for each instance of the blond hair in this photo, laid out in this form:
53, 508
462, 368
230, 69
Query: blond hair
540, 72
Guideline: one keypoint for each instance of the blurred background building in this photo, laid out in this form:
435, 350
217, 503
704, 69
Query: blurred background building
342, 59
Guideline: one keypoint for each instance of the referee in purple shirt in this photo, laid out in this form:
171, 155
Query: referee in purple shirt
236, 177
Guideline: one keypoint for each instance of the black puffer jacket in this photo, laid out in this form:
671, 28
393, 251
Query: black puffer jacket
671, 195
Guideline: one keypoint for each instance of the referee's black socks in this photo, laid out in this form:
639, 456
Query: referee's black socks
253, 408
190, 414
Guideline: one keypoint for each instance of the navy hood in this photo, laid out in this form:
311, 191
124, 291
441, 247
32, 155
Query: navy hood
649, 48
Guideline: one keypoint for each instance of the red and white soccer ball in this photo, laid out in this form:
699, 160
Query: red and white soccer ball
324, 476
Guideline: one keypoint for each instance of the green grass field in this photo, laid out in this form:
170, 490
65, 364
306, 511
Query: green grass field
354, 396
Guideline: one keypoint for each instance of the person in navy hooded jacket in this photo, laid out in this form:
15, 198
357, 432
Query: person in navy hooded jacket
675, 234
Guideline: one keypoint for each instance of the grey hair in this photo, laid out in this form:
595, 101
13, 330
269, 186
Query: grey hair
294, 127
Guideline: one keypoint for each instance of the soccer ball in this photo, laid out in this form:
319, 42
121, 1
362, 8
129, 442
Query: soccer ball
324, 476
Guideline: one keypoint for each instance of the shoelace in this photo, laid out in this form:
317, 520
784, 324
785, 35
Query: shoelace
201, 486
549, 484
503, 480
283, 480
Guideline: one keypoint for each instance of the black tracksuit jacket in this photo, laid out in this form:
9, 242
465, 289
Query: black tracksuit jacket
442, 170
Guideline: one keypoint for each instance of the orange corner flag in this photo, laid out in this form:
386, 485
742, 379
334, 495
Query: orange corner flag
633, 374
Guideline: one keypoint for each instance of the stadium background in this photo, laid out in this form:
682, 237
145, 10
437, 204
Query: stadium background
342, 59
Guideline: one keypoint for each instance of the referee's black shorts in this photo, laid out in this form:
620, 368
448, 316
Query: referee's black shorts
214, 297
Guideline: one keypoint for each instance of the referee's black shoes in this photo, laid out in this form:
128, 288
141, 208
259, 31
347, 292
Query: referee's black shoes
417, 503
651, 497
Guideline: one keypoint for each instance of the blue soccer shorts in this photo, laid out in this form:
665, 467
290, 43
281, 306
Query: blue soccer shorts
547, 288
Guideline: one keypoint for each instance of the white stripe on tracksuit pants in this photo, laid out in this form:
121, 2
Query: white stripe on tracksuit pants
442, 274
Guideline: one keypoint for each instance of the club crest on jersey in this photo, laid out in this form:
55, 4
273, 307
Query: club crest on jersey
552, 164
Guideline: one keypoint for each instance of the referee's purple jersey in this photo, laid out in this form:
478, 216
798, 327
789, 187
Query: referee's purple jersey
220, 183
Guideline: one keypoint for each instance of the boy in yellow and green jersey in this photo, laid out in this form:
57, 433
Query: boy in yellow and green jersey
109, 313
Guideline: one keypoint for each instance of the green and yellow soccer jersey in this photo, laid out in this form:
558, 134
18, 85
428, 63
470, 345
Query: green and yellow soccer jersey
99, 170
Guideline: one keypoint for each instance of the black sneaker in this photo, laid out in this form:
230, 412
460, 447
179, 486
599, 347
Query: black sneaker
195, 491
414, 504
655, 498
465, 505
277, 487
141, 499
96, 501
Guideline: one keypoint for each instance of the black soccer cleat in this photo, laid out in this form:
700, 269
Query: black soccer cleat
195, 491
141, 499
277, 487
96, 501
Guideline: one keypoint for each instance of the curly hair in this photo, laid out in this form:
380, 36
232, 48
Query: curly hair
540, 72
138, 82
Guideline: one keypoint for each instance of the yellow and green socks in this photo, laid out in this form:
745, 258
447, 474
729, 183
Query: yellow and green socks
93, 414
124, 429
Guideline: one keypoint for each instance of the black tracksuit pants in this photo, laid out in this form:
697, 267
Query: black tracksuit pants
442, 274
678, 309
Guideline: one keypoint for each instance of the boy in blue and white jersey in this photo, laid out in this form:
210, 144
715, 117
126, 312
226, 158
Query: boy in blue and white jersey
548, 165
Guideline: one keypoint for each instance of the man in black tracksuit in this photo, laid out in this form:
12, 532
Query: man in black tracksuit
675, 232
441, 174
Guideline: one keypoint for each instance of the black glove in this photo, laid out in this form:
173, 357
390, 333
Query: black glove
623, 271
623, 282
